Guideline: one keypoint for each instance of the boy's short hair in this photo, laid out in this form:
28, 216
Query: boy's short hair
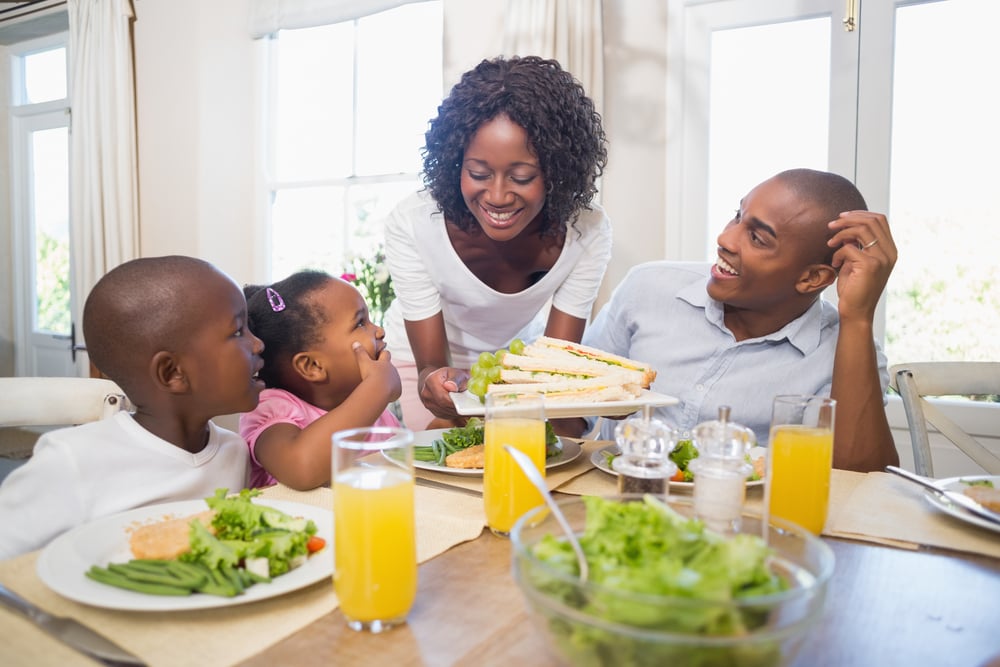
137, 309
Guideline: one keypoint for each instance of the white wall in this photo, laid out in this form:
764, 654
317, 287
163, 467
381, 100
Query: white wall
195, 101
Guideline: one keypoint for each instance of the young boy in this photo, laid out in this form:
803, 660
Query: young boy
172, 332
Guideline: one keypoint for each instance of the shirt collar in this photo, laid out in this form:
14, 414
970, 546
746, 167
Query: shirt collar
803, 332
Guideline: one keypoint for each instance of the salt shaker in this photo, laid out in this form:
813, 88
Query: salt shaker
644, 465
720, 471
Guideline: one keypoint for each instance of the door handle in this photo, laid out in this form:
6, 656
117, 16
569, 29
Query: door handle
74, 347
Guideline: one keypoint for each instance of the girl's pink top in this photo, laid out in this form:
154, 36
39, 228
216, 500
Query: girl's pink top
278, 406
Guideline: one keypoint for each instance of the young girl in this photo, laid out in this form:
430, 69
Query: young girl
326, 369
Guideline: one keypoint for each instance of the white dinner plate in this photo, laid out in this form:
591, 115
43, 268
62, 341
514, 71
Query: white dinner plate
62, 563
600, 459
570, 451
467, 404
957, 484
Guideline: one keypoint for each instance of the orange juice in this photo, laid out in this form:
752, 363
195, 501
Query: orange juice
375, 561
800, 459
507, 492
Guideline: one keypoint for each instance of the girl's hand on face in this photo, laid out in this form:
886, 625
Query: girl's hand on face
436, 387
379, 369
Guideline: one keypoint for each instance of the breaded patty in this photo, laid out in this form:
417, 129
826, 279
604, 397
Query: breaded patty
987, 496
167, 539
470, 457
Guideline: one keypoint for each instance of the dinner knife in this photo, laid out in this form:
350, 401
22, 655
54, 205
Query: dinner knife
70, 631
954, 497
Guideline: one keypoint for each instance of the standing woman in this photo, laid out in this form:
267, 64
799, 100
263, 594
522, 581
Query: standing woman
504, 242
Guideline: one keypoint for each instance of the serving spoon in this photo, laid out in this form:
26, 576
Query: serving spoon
535, 477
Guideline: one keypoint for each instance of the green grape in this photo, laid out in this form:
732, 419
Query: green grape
500, 354
477, 386
486, 359
477, 370
516, 346
493, 374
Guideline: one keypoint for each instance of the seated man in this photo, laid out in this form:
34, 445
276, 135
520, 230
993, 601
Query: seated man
758, 327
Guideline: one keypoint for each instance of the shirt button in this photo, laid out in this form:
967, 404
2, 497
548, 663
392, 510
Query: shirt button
700, 387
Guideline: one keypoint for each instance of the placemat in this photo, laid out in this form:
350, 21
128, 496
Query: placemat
216, 637
887, 507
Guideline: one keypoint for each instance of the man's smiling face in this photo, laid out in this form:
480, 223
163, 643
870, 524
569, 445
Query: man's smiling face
764, 249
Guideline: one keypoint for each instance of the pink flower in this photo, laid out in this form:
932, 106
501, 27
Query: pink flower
349, 277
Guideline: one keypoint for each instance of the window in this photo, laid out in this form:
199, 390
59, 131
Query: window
40, 202
944, 295
348, 107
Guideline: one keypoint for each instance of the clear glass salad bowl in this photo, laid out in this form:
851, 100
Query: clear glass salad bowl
699, 618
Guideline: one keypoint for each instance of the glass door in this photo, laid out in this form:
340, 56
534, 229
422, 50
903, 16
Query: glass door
40, 192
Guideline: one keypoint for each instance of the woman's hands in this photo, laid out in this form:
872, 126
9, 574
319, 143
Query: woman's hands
435, 385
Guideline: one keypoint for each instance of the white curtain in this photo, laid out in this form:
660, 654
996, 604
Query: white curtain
570, 31
270, 16
104, 211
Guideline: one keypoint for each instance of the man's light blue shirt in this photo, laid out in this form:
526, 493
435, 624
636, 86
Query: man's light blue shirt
662, 314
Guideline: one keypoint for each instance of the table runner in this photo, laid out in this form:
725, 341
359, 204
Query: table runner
216, 637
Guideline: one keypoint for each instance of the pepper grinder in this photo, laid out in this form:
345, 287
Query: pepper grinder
644, 465
720, 472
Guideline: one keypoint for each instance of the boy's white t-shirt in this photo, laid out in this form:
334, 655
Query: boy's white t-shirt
101, 468
429, 276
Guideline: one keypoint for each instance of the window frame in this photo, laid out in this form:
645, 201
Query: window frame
24, 119
270, 185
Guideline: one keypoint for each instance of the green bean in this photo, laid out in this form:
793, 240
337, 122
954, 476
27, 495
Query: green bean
233, 577
188, 571
114, 579
218, 584
139, 574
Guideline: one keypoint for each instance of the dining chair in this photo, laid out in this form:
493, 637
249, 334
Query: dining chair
916, 381
58, 401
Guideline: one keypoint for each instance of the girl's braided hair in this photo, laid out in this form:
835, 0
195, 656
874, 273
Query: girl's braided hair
283, 316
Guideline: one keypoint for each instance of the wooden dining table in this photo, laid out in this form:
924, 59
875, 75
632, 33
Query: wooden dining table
885, 606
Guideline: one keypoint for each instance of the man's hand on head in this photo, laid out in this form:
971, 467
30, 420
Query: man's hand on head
864, 259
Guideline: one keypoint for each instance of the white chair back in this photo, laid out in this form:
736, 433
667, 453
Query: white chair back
58, 401
958, 378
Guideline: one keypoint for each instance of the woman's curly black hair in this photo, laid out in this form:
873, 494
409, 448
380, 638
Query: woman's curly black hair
564, 132
286, 330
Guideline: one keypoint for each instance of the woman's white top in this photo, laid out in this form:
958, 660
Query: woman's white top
429, 277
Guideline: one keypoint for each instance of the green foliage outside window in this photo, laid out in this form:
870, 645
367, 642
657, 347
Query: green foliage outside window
371, 277
52, 285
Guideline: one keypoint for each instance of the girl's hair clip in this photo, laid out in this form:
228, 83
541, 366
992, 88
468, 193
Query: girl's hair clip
273, 298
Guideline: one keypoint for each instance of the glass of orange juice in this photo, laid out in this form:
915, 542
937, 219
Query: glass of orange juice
517, 420
799, 460
374, 533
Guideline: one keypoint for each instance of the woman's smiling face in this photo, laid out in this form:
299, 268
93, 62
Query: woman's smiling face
502, 182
